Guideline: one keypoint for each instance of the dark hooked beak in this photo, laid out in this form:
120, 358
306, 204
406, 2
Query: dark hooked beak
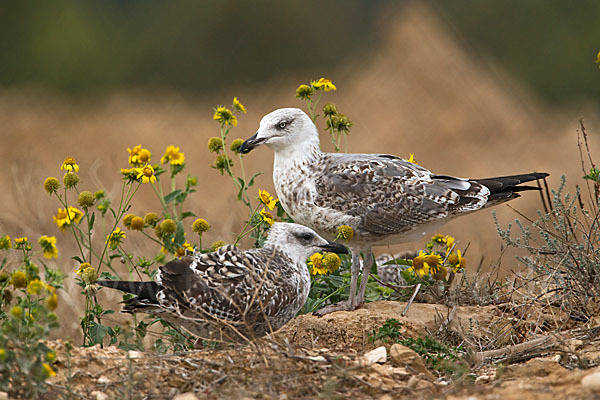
335, 248
251, 143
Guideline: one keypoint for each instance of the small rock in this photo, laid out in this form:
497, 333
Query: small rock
402, 356
103, 380
317, 358
383, 370
480, 380
379, 355
134, 354
3, 396
186, 396
591, 381
99, 395
385, 397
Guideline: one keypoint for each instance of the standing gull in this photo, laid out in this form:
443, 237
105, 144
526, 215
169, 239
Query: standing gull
231, 294
385, 199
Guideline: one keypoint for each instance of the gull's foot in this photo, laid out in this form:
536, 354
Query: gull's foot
341, 306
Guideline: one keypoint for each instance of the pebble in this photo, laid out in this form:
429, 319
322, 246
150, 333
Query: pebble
591, 381
379, 355
103, 380
99, 395
134, 354
186, 396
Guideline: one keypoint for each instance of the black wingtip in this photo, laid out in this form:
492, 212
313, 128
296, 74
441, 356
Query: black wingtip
144, 290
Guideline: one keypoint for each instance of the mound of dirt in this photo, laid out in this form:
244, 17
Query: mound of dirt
328, 357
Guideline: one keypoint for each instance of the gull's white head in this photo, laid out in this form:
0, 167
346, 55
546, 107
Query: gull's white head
284, 130
299, 242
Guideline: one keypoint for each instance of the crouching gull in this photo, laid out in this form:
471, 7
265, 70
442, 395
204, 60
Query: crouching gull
232, 294
385, 199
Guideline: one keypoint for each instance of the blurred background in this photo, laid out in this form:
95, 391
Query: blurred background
473, 88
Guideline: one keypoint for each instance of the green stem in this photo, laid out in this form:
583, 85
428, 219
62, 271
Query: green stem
324, 299
160, 197
242, 234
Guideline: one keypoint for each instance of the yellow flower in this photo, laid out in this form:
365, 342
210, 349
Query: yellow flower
598, 58
449, 242
151, 219
215, 144
304, 92
317, 267
64, 218
329, 110
266, 216
324, 84
130, 174
200, 226
35, 287
433, 260
238, 106
89, 275
168, 226
18, 279
146, 174
2, 354
16, 311
217, 245
224, 116
70, 165
48, 370
457, 261
20, 241
419, 266
180, 252
48, 244
127, 220
440, 273
51, 184
266, 198
438, 238
345, 232
331, 261
138, 156
70, 180
411, 159
82, 267
236, 145
137, 224
5, 242
86, 199
52, 302
50, 356
173, 155
115, 238
222, 163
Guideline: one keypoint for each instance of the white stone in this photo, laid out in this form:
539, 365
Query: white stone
591, 381
103, 380
134, 354
317, 358
186, 396
99, 395
378, 355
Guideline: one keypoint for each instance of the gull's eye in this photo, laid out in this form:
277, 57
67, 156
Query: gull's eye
307, 236
282, 125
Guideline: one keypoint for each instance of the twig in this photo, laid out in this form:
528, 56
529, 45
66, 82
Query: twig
412, 298
541, 343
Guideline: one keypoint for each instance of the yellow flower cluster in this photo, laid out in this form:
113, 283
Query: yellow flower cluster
173, 156
305, 92
67, 217
266, 198
49, 248
225, 116
115, 238
266, 216
69, 165
321, 264
138, 157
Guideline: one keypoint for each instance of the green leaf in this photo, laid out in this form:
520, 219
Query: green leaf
97, 332
172, 196
78, 259
187, 214
179, 235
399, 262
251, 181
